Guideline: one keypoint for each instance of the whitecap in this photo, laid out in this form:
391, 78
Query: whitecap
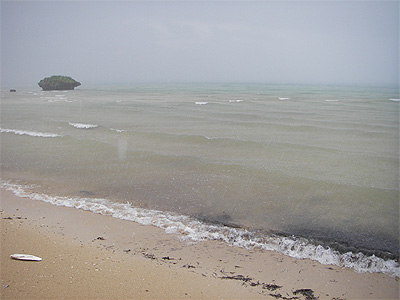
280, 98
60, 100
331, 100
117, 130
82, 126
57, 98
235, 101
30, 133
201, 103
188, 228
395, 100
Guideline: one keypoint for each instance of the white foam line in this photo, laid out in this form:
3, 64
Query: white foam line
82, 126
190, 229
52, 100
117, 130
30, 133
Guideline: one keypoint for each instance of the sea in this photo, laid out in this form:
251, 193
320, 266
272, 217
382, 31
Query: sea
311, 172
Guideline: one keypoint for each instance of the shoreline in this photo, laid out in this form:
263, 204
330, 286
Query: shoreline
200, 229
207, 270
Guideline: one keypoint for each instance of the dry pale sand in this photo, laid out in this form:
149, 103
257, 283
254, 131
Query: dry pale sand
90, 256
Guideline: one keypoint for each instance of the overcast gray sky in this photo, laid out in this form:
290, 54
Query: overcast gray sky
205, 41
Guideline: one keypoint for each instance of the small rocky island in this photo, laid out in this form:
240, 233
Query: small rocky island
58, 83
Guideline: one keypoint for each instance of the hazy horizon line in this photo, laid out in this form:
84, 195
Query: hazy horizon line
122, 84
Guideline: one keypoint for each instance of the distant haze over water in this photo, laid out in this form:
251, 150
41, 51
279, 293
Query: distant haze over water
100, 42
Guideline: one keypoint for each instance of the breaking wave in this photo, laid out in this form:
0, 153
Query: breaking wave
117, 130
193, 229
30, 133
82, 126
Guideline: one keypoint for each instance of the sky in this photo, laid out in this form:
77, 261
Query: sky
110, 42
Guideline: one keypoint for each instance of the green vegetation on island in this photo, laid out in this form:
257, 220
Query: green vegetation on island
59, 83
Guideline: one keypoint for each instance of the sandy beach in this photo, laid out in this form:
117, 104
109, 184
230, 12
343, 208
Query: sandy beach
91, 256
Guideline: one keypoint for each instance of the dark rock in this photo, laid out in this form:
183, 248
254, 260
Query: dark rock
58, 83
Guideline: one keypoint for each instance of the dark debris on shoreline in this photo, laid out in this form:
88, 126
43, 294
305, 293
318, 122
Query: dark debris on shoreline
269, 289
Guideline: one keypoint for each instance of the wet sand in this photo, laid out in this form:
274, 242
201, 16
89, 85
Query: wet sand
90, 256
